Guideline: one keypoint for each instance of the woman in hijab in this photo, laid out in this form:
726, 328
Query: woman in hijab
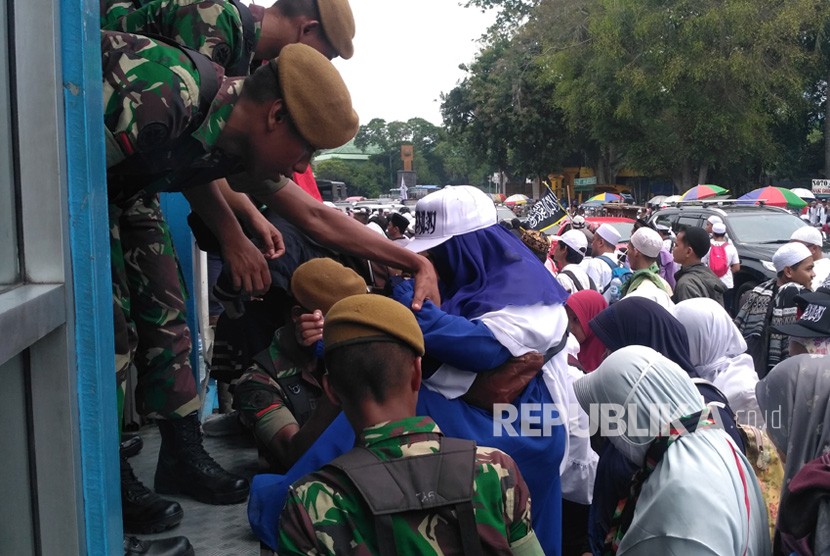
718, 352
694, 493
636, 321
795, 398
582, 306
498, 302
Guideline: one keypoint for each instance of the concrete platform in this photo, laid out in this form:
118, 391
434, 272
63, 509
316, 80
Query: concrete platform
212, 530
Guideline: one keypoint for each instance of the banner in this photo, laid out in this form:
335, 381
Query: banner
821, 187
545, 213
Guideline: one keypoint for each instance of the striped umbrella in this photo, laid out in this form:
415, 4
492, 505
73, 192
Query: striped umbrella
773, 196
605, 198
703, 191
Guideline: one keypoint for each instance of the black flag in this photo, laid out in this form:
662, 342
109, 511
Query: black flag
545, 213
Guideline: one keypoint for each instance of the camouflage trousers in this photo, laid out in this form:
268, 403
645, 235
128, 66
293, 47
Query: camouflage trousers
148, 294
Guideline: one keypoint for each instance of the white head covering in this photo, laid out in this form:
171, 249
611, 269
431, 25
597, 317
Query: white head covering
808, 234
790, 254
718, 352
719, 228
713, 337
639, 378
714, 219
647, 241
695, 497
609, 233
576, 240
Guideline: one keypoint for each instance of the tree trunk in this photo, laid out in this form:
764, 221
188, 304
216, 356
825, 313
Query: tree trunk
702, 173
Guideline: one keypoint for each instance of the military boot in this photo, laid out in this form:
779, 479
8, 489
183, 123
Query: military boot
172, 546
144, 511
185, 467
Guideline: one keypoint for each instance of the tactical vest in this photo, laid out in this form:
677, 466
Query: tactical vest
171, 168
420, 483
297, 397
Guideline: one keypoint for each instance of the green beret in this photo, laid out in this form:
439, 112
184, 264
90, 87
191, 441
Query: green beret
320, 283
338, 25
371, 318
316, 97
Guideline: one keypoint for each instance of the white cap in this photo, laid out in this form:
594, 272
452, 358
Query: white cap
452, 211
647, 241
790, 254
576, 240
718, 228
808, 235
714, 219
609, 233
578, 222
662, 227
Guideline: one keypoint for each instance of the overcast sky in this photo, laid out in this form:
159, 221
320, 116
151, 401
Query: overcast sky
407, 53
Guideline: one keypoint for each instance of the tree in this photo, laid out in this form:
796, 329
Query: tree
361, 178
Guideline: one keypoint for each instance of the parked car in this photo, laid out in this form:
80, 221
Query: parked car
756, 231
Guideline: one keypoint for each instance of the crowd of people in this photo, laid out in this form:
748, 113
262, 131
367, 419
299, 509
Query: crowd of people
436, 383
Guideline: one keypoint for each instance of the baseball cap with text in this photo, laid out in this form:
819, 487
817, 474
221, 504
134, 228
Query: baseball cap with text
452, 211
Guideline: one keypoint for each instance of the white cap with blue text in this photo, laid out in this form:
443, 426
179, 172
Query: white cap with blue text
451, 211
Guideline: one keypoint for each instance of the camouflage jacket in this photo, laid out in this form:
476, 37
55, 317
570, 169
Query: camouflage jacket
324, 513
212, 27
151, 99
288, 359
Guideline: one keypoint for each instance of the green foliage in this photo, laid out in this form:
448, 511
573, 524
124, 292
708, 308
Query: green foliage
361, 178
676, 88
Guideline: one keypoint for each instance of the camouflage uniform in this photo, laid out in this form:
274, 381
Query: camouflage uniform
151, 92
260, 398
212, 27
324, 513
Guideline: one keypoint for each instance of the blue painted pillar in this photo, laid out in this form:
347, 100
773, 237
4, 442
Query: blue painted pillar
91, 279
176, 208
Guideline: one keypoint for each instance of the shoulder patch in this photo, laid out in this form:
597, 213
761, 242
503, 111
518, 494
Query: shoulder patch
153, 136
221, 54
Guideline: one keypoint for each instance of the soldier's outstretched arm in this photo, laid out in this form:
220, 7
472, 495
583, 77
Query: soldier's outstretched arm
331, 227
269, 237
247, 265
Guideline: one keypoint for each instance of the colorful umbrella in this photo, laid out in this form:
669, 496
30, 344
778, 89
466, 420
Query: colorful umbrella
703, 191
497, 197
803, 193
605, 198
671, 200
773, 196
517, 199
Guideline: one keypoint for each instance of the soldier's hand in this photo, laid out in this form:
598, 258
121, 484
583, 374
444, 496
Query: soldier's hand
309, 328
268, 236
426, 285
248, 267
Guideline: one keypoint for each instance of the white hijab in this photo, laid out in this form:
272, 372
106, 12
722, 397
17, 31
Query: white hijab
693, 503
717, 350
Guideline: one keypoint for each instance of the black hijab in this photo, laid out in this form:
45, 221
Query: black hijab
642, 322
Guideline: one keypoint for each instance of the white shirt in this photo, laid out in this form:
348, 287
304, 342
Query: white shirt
649, 290
731, 258
822, 269
580, 274
600, 271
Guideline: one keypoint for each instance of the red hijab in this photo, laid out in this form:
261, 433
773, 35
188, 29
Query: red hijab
586, 304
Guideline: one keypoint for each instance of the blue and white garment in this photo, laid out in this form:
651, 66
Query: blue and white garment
499, 301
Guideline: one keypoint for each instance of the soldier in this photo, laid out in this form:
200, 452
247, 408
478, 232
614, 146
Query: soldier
405, 486
280, 397
173, 122
234, 35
